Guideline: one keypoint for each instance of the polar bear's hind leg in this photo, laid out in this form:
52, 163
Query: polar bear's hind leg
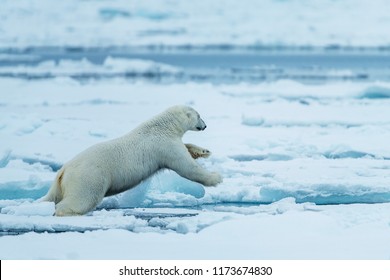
63, 208
72, 206
80, 200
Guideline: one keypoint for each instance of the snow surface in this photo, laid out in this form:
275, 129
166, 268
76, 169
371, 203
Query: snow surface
283, 230
305, 165
173, 23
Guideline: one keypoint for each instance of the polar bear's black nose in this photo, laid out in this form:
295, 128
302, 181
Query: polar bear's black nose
201, 128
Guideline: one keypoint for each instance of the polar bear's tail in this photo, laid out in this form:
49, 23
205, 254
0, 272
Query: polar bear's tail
54, 194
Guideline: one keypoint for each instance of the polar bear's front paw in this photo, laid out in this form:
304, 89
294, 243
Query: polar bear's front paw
214, 179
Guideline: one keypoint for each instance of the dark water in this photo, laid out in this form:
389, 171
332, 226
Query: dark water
220, 65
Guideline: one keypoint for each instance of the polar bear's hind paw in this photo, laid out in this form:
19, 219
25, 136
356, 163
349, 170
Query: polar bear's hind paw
197, 152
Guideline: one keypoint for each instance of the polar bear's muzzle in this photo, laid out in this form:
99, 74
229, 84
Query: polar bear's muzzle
201, 125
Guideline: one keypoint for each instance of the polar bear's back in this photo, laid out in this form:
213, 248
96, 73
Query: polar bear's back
125, 161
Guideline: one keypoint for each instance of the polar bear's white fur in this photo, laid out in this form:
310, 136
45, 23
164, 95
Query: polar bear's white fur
117, 165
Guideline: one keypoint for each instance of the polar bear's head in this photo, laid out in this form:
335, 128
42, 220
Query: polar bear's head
195, 121
189, 118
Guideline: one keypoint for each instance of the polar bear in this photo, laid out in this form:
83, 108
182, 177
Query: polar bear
120, 164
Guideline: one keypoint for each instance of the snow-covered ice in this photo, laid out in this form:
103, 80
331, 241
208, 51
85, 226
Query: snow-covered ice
303, 148
283, 230
184, 23
315, 144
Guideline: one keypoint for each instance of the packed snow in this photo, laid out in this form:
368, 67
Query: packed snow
175, 23
303, 148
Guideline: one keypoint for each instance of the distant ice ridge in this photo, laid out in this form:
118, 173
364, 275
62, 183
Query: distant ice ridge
305, 94
180, 23
111, 67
